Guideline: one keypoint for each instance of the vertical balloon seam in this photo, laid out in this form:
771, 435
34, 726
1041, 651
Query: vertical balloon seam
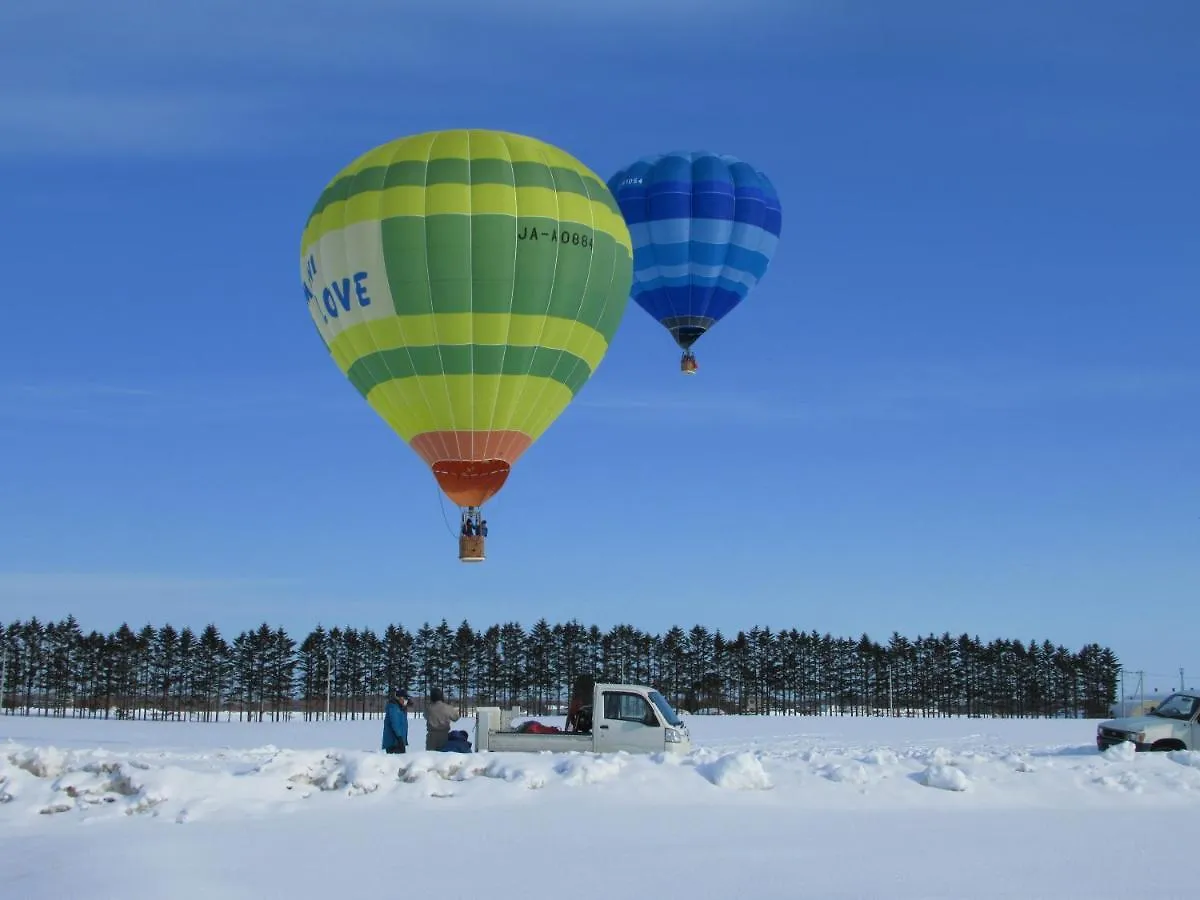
333, 243
530, 420
502, 152
769, 194
523, 425
469, 266
489, 431
694, 310
587, 284
518, 391
691, 234
659, 268
405, 147
420, 381
502, 383
389, 399
636, 249
510, 143
457, 452
644, 226
385, 400
423, 215
512, 294
762, 229
571, 328
723, 265
612, 276
655, 270
768, 191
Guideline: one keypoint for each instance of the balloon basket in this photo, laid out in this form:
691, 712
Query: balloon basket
470, 548
687, 365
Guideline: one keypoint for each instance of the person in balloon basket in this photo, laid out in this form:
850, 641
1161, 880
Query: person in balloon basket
439, 716
470, 529
395, 722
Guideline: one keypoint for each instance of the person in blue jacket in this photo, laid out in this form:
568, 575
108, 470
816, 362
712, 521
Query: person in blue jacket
457, 742
395, 722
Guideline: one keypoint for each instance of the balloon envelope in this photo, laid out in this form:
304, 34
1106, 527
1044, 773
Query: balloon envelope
704, 227
467, 283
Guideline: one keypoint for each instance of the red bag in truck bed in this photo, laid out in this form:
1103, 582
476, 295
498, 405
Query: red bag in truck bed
537, 728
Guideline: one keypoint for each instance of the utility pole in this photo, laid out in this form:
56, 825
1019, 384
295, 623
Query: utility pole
891, 701
3, 678
1181, 685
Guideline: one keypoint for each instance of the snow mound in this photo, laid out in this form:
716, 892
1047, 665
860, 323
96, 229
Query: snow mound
66, 780
576, 770
1125, 781
849, 773
736, 771
945, 777
1190, 758
1122, 752
1019, 763
881, 757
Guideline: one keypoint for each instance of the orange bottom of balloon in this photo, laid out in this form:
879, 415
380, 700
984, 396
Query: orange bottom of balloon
471, 482
471, 467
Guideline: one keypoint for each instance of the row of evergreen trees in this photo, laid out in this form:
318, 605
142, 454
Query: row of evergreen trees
55, 668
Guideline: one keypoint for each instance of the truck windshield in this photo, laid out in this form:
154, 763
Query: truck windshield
665, 708
1177, 706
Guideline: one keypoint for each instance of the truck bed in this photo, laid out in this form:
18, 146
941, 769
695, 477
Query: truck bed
533, 742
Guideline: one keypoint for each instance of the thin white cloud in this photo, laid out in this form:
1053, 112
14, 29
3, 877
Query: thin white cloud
154, 78
103, 599
71, 390
208, 402
931, 392
335, 35
902, 394
130, 120
68, 401
1023, 384
33, 584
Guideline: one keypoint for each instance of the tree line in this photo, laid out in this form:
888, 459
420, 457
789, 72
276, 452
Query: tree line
55, 668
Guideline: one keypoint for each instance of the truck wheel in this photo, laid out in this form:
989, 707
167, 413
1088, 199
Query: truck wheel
1169, 744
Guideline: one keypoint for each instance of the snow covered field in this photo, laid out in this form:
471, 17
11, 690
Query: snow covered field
763, 808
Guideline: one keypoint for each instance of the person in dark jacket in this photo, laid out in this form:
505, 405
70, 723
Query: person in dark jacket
395, 723
457, 742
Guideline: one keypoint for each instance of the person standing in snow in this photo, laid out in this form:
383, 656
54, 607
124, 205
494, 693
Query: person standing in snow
395, 723
439, 716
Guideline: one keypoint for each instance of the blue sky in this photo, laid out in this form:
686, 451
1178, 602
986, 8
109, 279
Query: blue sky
963, 398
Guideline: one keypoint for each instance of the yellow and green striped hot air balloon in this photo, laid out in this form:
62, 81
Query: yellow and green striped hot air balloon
468, 283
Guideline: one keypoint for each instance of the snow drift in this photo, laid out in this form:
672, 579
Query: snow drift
181, 785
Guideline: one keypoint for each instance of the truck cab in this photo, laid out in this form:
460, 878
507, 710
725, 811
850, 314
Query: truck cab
1171, 725
635, 718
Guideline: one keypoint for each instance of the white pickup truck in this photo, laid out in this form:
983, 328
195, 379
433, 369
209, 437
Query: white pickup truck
1172, 725
630, 717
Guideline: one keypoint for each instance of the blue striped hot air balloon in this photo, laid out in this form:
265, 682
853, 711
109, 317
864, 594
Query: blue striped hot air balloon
704, 228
